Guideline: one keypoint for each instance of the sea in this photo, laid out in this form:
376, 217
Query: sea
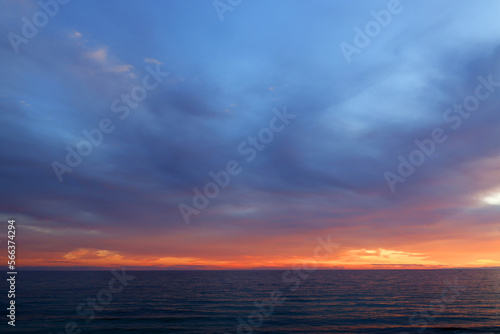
254, 301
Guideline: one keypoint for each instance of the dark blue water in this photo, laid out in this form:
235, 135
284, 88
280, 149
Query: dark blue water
385, 301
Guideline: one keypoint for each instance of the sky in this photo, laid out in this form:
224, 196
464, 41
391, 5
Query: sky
245, 134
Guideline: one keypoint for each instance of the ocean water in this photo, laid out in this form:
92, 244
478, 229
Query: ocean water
350, 301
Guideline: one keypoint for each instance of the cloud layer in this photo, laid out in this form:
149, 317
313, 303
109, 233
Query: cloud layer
322, 174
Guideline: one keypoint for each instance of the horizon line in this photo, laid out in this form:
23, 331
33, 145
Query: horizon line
235, 269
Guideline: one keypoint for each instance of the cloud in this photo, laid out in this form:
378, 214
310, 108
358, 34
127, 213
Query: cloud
384, 256
77, 254
322, 174
75, 34
121, 68
99, 55
152, 61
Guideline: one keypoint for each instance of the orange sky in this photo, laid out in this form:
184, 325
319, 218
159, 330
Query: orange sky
461, 250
